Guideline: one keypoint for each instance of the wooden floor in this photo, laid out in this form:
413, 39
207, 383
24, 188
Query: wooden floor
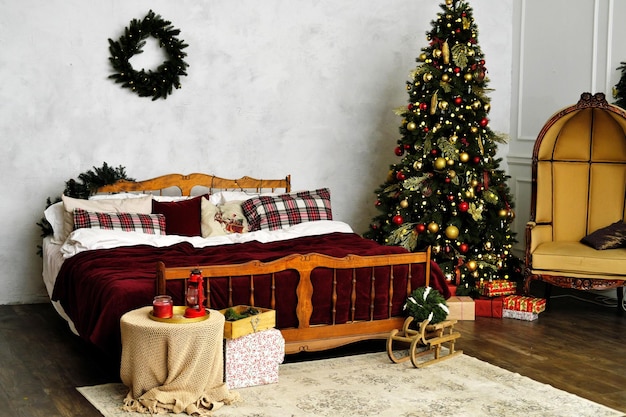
577, 346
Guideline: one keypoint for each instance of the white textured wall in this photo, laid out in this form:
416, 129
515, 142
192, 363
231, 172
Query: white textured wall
275, 87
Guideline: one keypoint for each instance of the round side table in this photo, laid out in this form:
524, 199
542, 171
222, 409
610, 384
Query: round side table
172, 366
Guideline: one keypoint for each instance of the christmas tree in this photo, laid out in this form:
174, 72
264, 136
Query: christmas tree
619, 91
448, 191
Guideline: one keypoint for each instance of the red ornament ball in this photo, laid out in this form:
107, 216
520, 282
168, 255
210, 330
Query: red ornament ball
400, 176
377, 203
397, 219
484, 122
399, 150
420, 228
463, 247
458, 101
423, 106
434, 152
476, 160
463, 206
457, 70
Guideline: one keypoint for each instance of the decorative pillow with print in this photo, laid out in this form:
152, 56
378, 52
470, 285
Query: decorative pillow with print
222, 219
276, 212
610, 237
153, 224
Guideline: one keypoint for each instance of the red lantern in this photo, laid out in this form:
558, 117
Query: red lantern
195, 295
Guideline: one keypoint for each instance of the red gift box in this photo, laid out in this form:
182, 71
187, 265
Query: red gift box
497, 287
489, 306
522, 303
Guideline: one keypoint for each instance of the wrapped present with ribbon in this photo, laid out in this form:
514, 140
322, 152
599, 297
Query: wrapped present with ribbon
497, 287
519, 315
461, 308
524, 303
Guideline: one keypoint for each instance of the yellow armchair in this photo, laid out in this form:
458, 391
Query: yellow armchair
578, 187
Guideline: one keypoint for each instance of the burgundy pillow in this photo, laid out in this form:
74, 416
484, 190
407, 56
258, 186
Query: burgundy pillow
181, 217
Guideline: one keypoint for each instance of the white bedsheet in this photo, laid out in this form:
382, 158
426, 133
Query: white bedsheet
81, 240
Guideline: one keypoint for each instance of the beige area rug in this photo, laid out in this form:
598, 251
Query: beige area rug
371, 385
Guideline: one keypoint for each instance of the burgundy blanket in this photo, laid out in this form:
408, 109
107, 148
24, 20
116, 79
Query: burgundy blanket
97, 287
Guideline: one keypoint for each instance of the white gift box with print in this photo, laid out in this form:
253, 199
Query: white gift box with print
253, 359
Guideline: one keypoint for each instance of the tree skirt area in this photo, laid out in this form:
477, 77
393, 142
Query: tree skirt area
371, 385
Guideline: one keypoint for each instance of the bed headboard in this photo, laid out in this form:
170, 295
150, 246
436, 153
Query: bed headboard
186, 183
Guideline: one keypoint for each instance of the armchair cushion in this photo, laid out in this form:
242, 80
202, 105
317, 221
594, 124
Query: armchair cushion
609, 237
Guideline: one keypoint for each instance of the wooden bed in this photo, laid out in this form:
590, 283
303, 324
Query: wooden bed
325, 297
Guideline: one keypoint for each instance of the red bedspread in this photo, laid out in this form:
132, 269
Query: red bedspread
97, 287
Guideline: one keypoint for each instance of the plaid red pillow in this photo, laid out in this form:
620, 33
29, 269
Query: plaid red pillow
153, 224
276, 212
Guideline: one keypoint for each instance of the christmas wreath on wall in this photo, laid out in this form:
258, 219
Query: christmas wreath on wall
155, 84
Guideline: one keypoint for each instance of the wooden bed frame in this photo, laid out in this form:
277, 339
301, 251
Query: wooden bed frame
305, 337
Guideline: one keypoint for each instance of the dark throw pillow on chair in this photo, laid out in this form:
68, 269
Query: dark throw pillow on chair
610, 237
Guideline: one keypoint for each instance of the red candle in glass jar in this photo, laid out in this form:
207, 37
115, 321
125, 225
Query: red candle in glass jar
162, 307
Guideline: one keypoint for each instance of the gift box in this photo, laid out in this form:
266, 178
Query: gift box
253, 359
523, 303
519, 315
497, 287
461, 308
266, 319
489, 307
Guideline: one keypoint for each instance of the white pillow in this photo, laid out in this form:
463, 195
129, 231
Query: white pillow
142, 205
223, 219
116, 196
54, 214
221, 197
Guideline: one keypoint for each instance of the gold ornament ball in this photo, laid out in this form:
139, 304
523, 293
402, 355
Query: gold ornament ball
404, 203
422, 57
437, 53
453, 139
464, 157
411, 126
440, 163
445, 78
452, 232
449, 2
487, 107
450, 161
488, 245
417, 165
474, 183
428, 76
433, 227
468, 76
472, 265
443, 105
503, 213
511, 215
452, 173
474, 129
476, 105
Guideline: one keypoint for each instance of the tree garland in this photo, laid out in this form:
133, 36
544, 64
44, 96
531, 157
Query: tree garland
427, 303
156, 84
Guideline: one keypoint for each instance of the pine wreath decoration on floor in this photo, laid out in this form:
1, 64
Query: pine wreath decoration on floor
155, 84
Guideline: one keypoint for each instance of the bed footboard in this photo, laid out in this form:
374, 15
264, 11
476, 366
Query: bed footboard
357, 291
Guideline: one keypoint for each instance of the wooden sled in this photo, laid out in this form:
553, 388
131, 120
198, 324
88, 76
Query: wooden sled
430, 336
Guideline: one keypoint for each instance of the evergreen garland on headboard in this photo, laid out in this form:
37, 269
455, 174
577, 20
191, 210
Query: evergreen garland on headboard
88, 182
